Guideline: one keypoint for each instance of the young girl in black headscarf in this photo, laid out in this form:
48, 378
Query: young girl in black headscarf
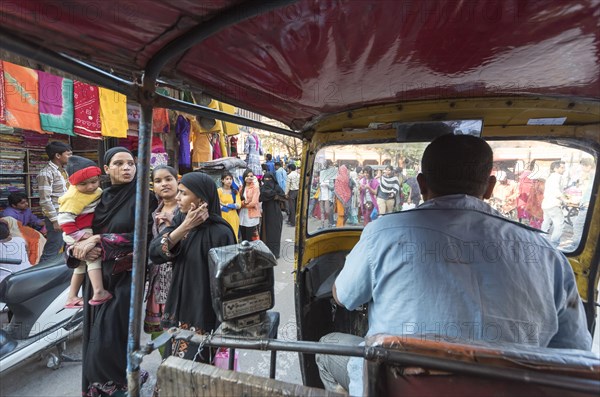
196, 229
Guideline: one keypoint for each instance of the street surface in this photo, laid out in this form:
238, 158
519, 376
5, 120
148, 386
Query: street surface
33, 378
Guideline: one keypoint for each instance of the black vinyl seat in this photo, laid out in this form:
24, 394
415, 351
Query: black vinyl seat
21, 286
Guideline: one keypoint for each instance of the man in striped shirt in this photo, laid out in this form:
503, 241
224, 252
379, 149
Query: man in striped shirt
52, 183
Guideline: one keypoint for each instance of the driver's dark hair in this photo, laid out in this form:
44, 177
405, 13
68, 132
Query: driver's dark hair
457, 164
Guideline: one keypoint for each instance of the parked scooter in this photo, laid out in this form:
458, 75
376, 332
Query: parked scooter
38, 321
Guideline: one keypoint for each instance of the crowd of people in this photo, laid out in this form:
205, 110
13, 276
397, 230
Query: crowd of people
354, 195
544, 200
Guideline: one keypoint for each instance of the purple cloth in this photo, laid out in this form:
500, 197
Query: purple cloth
182, 130
26, 217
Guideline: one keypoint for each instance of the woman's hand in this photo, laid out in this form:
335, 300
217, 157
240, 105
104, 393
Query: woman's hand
196, 216
164, 217
82, 248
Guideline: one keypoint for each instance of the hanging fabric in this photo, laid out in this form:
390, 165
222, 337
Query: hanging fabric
216, 146
233, 151
22, 99
56, 103
201, 142
160, 120
2, 99
86, 104
182, 130
113, 113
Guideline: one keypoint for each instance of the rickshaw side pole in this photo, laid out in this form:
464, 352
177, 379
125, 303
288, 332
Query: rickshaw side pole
140, 243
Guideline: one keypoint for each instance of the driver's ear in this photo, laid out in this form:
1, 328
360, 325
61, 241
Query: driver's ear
490, 187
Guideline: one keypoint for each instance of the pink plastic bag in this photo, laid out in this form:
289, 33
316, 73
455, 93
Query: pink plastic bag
222, 359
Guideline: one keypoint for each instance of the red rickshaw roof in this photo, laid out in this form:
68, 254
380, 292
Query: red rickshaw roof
313, 58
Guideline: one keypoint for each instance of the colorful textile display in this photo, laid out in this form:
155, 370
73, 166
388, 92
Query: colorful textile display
21, 97
113, 113
86, 110
2, 99
56, 103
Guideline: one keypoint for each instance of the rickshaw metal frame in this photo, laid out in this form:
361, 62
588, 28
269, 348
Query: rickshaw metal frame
144, 93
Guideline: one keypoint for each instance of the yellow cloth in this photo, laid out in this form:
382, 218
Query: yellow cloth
73, 201
113, 113
230, 216
200, 142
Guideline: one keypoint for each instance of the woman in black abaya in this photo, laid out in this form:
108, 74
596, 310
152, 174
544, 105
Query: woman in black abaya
196, 229
270, 232
105, 326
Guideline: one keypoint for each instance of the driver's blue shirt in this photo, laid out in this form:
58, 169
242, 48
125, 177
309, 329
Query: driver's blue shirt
456, 267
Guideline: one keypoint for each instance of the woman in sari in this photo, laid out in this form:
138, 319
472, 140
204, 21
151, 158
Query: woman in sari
342, 189
105, 327
164, 179
272, 220
196, 228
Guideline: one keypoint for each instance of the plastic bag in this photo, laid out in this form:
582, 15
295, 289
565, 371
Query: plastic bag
374, 214
222, 359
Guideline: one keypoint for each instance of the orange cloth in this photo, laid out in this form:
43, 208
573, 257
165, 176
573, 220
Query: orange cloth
21, 97
160, 120
33, 239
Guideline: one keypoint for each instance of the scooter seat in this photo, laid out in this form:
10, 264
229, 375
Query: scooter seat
21, 286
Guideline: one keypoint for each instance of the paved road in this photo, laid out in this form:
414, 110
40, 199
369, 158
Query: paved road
33, 378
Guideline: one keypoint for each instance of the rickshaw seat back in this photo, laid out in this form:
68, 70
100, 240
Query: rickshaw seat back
391, 379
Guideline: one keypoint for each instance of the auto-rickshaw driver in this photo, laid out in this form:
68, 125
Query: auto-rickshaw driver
455, 267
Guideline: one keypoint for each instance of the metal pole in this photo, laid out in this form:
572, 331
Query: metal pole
139, 243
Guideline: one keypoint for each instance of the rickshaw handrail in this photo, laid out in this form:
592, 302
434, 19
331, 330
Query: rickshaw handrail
381, 354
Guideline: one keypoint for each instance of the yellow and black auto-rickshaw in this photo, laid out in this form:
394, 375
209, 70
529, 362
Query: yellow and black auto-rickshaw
347, 77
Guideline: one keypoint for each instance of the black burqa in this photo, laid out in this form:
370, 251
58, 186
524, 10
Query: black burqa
189, 301
105, 327
272, 222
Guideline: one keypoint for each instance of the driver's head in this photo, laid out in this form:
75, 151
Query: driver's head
457, 164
